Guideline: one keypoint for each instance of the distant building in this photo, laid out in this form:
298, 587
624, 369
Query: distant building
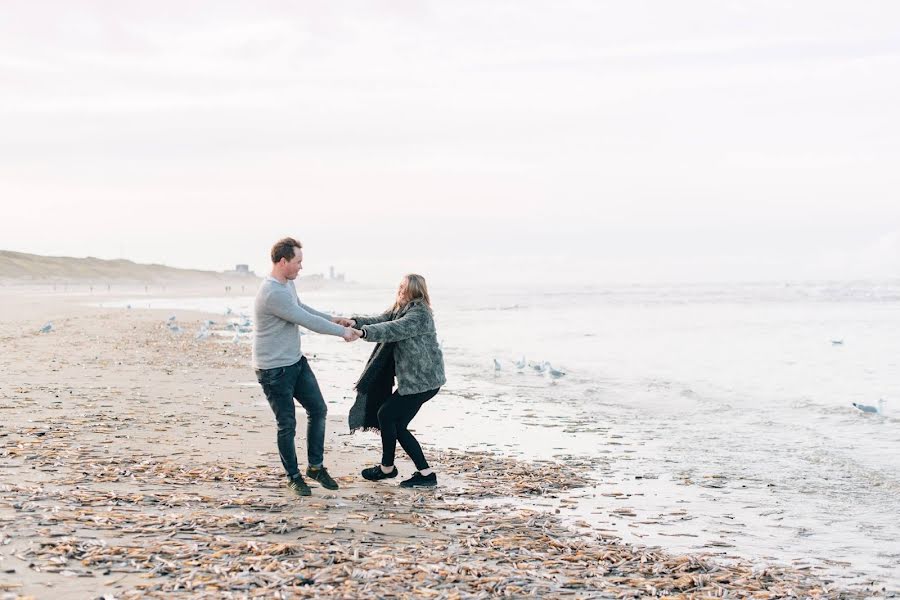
243, 270
335, 276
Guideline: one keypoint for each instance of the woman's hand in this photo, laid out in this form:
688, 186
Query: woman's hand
351, 335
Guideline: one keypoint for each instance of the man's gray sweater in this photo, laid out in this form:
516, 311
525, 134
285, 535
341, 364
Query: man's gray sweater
278, 311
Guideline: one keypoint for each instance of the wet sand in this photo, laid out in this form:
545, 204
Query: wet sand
135, 462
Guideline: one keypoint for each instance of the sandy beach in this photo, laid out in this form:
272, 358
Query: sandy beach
141, 463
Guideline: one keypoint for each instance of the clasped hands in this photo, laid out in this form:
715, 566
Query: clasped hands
351, 334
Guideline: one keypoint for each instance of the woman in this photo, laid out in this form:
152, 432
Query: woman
408, 349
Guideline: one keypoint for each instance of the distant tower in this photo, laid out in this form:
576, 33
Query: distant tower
331, 272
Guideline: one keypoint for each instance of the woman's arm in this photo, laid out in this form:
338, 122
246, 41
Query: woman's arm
416, 322
372, 319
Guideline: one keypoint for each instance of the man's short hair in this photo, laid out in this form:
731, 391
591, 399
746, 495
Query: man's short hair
284, 248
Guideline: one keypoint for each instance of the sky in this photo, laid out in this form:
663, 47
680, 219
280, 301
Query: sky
471, 141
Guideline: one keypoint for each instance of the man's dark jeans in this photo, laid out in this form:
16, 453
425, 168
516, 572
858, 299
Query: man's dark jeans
281, 386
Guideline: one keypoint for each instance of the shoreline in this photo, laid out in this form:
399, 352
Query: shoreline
156, 445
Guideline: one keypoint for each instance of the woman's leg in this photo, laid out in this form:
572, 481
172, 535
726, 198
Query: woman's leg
410, 444
407, 440
393, 418
389, 415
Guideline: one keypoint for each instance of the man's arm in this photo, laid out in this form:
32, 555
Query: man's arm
293, 290
313, 311
282, 306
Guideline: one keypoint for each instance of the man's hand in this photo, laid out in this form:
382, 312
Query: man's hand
351, 335
344, 322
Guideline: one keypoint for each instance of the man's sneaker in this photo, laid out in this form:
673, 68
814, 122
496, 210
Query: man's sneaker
298, 486
376, 474
419, 480
321, 475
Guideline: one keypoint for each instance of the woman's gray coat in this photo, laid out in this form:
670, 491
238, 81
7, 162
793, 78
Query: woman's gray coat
406, 337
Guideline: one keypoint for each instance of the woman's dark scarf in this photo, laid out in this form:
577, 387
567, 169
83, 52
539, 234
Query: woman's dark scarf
373, 388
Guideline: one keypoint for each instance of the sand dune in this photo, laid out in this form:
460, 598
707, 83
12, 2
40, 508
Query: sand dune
19, 267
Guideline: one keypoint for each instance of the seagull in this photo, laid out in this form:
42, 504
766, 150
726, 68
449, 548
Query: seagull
209, 322
555, 373
236, 338
497, 366
172, 318
538, 367
837, 342
175, 329
47, 328
128, 306
521, 364
202, 334
227, 310
866, 408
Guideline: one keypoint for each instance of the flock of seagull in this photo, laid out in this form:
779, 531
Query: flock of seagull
538, 367
240, 327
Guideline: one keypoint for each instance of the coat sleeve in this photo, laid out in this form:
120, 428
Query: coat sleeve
415, 322
372, 319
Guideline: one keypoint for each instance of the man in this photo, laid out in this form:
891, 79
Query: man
284, 372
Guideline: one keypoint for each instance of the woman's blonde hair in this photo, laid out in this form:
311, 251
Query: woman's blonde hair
416, 289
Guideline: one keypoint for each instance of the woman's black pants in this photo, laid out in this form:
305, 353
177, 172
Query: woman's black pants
393, 420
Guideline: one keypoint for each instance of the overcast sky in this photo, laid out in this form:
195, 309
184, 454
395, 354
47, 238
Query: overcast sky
471, 141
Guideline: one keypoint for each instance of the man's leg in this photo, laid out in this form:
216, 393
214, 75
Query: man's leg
306, 391
278, 386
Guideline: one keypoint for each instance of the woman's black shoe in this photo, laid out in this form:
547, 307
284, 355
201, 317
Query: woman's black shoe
376, 474
419, 480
